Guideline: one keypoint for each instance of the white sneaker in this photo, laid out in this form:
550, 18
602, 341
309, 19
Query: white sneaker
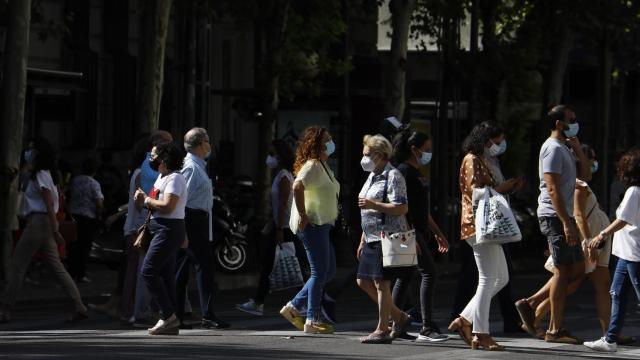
601, 345
251, 307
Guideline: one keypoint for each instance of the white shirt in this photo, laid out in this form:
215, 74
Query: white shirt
33, 200
275, 197
174, 184
626, 241
135, 217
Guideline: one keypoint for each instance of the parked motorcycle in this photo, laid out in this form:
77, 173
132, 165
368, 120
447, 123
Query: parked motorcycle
229, 245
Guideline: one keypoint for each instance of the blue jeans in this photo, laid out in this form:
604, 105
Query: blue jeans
625, 270
322, 260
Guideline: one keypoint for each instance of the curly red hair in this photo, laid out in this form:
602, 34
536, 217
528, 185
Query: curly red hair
310, 146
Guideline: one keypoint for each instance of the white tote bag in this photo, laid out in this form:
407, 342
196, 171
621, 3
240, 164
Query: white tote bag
399, 249
494, 220
286, 271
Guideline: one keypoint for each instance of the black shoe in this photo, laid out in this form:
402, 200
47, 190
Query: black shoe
214, 323
329, 309
185, 326
405, 336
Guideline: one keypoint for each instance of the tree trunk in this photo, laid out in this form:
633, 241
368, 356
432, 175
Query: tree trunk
473, 54
275, 25
401, 12
190, 66
14, 88
154, 22
603, 115
555, 74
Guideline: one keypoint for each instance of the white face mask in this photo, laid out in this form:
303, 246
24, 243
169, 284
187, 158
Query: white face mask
367, 164
572, 131
272, 162
494, 150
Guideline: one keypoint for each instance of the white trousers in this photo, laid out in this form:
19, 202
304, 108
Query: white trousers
493, 275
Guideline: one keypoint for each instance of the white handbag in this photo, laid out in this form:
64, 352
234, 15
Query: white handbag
398, 249
494, 220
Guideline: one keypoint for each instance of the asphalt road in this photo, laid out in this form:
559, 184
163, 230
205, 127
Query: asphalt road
38, 331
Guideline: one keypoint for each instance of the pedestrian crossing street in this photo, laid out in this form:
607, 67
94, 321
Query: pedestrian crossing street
455, 348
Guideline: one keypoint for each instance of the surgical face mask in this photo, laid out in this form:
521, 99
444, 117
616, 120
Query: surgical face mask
498, 149
29, 156
594, 167
367, 164
572, 131
207, 155
272, 162
331, 147
425, 158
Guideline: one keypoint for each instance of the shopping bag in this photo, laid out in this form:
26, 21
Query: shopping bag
399, 249
494, 220
286, 271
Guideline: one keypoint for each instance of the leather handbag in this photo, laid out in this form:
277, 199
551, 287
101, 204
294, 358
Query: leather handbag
68, 228
143, 237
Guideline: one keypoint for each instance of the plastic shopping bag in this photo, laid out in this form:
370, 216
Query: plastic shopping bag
286, 271
494, 220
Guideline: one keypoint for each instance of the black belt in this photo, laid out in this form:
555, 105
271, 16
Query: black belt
37, 213
196, 211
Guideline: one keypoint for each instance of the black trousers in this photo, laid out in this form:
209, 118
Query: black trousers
79, 250
428, 281
200, 254
468, 282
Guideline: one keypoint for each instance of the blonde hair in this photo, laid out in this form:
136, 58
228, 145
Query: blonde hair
379, 144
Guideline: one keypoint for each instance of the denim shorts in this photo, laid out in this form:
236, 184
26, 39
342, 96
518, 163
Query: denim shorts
561, 252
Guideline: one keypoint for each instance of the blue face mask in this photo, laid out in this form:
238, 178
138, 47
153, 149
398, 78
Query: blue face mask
425, 158
29, 156
503, 147
331, 147
594, 167
572, 131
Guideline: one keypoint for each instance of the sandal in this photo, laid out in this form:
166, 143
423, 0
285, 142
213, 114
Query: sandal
401, 327
462, 327
377, 338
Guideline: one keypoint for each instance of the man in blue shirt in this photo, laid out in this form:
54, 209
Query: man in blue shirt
197, 217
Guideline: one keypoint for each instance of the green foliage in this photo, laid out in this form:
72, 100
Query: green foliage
313, 29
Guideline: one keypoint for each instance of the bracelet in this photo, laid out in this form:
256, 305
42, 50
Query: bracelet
146, 202
603, 233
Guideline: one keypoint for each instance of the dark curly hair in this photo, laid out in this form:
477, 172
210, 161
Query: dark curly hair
284, 153
310, 146
45, 159
475, 141
402, 143
630, 167
171, 154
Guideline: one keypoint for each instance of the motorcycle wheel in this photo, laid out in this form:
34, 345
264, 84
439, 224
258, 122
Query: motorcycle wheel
231, 258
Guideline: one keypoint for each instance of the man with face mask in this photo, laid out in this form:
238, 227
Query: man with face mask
561, 161
197, 217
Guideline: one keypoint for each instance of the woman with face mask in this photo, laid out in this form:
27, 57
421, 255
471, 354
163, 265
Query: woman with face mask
39, 208
494, 148
280, 162
313, 214
412, 151
166, 202
383, 204
493, 273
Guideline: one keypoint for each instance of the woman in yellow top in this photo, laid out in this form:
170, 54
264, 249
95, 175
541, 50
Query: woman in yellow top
314, 211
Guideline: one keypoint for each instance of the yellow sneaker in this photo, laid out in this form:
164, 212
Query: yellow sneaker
316, 327
292, 315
